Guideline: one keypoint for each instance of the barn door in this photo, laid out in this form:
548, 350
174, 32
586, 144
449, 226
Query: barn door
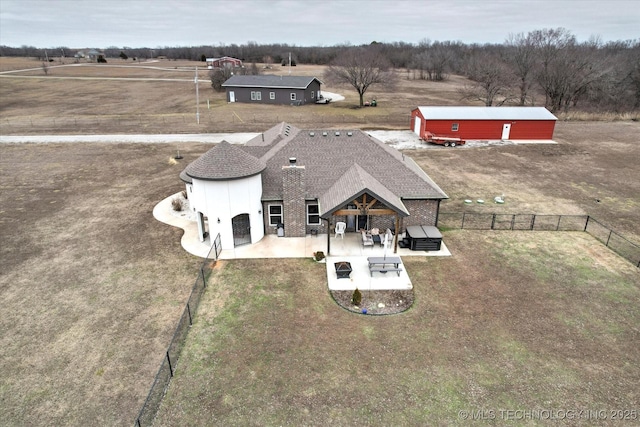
416, 126
506, 130
241, 230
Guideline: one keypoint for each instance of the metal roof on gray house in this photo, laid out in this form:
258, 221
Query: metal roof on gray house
270, 81
485, 113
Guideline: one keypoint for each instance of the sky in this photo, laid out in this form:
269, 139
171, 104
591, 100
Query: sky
180, 23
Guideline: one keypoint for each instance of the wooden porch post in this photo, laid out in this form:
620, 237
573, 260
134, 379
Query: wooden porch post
328, 236
395, 244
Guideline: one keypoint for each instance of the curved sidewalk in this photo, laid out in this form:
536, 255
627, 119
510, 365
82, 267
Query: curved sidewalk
163, 212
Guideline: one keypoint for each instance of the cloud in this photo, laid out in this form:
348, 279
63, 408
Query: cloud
73, 23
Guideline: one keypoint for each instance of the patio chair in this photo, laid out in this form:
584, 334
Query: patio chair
367, 240
340, 228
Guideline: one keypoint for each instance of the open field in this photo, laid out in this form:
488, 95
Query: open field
515, 321
591, 171
92, 286
159, 97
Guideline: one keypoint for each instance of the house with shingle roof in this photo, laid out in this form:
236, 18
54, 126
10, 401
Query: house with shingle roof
271, 89
293, 182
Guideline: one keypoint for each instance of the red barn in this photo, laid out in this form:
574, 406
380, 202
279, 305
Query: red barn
224, 62
472, 123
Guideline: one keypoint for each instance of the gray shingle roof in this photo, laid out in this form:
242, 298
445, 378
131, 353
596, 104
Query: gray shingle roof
186, 178
224, 162
352, 185
270, 81
339, 166
328, 158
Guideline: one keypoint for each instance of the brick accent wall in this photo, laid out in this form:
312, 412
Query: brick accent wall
294, 205
319, 228
422, 212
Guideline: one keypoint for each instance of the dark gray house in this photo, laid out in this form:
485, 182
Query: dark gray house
269, 89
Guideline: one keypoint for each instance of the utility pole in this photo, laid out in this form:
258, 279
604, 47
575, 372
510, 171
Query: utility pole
289, 63
197, 99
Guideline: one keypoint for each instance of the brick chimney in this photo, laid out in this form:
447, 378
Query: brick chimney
293, 192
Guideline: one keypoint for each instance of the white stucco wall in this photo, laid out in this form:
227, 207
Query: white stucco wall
225, 200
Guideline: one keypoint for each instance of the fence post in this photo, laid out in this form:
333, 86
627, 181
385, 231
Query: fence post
558, 225
586, 223
513, 221
189, 313
138, 422
608, 238
493, 221
169, 360
533, 222
204, 282
462, 225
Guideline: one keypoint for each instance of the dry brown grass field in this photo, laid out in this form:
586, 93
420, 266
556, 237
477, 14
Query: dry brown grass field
92, 286
84, 98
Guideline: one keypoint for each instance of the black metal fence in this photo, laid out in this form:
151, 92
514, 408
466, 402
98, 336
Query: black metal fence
165, 372
619, 244
532, 222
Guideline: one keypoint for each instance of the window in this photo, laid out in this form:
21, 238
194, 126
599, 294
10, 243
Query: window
313, 94
275, 215
454, 127
293, 96
272, 95
256, 96
313, 215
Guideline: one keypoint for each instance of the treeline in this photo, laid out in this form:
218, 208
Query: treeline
544, 66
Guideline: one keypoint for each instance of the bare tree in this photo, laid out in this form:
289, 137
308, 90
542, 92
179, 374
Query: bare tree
633, 76
45, 68
567, 70
521, 55
436, 60
219, 76
361, 68
490, 76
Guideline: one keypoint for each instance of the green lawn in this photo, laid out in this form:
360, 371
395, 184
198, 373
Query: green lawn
512, 321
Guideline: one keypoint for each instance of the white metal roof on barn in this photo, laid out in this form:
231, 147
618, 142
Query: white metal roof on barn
486, 113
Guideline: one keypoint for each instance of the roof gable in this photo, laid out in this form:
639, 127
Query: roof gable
351, 185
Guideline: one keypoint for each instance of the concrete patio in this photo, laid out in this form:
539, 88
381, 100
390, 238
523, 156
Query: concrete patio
348, 249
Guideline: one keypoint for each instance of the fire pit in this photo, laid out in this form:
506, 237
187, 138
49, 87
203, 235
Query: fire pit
343, 269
